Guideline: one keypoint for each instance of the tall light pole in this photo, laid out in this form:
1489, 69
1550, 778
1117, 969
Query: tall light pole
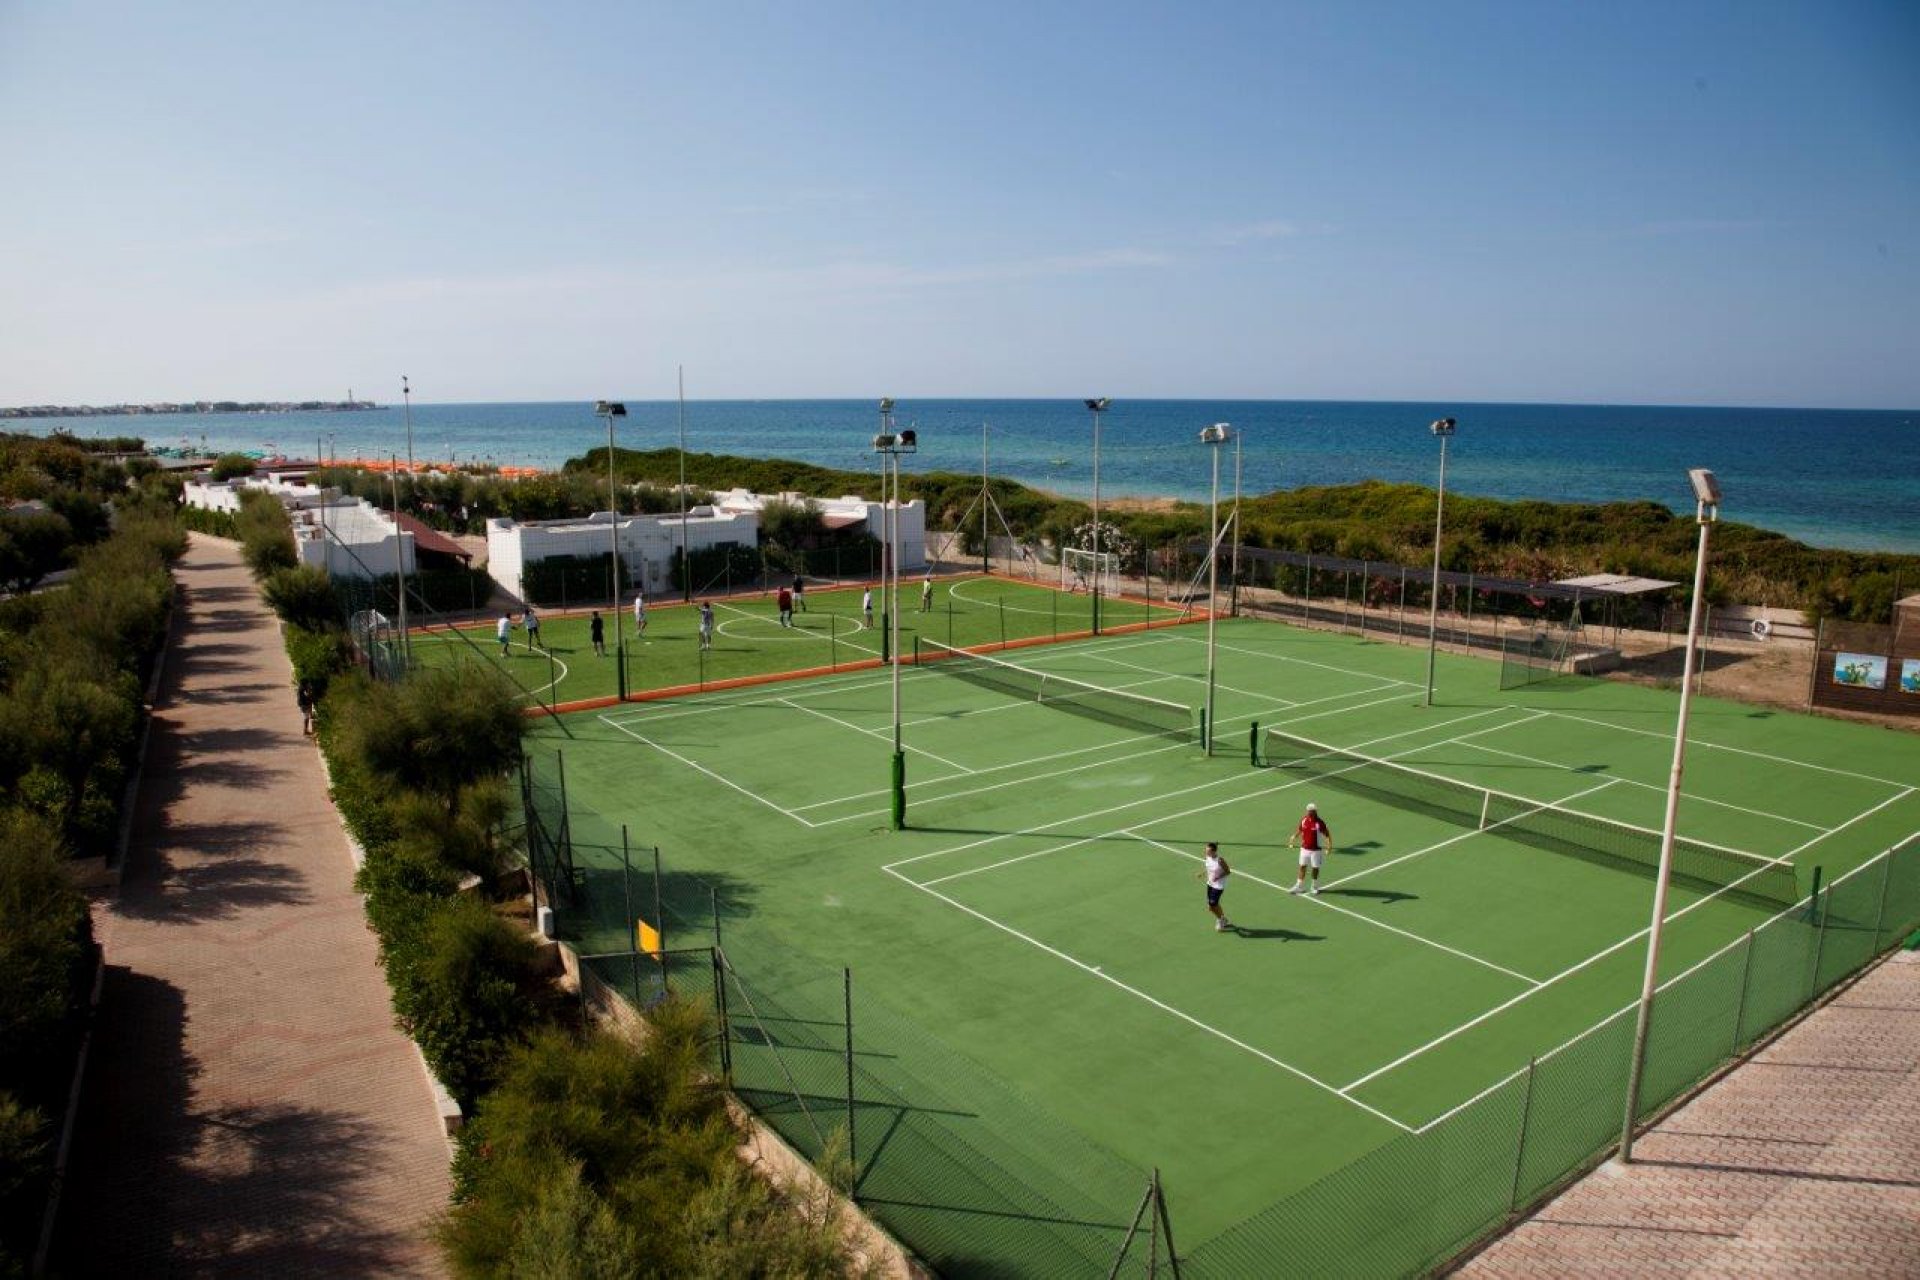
406, 396
1443, 428
611, 409
686, 567
1233, 574
1706, 492
890, 445
1096, 407
1213, 437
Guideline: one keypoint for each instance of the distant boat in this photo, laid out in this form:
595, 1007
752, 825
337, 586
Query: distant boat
1059, 462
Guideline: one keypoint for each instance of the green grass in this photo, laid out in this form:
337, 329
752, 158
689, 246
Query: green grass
749, 640
1036, 977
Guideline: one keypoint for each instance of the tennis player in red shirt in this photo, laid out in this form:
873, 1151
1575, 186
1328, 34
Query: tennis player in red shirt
1315, 842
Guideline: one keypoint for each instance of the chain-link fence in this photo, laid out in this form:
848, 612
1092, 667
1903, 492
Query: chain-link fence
1411, 1204
976, 1177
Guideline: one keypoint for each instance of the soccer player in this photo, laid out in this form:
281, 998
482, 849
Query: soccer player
706, 624
799, 593
531, 621
502, 630
926, 593
639, 613
1215, 873
597, 632
866, 608
1315, 842
786, 606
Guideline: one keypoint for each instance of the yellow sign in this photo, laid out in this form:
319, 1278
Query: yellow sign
647, 939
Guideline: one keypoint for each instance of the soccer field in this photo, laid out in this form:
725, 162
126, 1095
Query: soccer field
749, 641
1043, 1011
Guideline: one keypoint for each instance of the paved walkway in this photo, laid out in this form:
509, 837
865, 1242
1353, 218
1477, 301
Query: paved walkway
1805, 1161
249, 1107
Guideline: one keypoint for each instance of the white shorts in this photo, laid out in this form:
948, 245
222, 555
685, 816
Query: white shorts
1312, 858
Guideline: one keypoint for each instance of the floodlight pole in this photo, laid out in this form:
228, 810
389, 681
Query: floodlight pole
400, 561
1213, 437
890, 445
1233, 573
611, 409
1443, 428
686, 565
406, 395
1097, 407
1706, 511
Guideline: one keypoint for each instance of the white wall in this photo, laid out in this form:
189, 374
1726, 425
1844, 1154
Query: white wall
647, 543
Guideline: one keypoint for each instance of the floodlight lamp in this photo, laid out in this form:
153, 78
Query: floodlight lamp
1100, 405
610, 409
886, 404
1218, 433
882, 442
1705, 487
1443, 427
909, 440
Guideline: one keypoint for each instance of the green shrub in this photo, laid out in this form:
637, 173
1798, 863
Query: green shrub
31, 547
718, 568
25, 1173
303, 596
43, 948
231, 466
464, 987
266, 535
318, 657
221, 524
562, 581
437, 732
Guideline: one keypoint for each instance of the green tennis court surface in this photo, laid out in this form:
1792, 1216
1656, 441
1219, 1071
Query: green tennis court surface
750, 641
1044, 1011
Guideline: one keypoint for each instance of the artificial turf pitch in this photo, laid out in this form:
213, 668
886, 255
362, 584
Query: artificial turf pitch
1037, 940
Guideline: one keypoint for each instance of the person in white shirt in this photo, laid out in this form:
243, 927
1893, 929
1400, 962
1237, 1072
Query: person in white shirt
926, 593
866, 608
706, 624
639, 613
1215, 873
502, 631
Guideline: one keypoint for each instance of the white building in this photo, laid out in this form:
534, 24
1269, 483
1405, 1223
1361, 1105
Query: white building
648, 543
847, 512
347, 537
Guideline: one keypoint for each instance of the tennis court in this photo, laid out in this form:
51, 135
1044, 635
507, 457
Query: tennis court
829, 632
1041, 986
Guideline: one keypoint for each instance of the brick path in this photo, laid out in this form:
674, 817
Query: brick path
1804, 1161
249, 1107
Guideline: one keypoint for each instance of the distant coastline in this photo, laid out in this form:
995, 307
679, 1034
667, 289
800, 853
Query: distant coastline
195, 407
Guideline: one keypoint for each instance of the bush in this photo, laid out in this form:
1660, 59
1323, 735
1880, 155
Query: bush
560, 581
231, 466
464, 987
31, 547
24, 1178
719, 568
437, 732
303, 596
318, 657
266, 535
221, 524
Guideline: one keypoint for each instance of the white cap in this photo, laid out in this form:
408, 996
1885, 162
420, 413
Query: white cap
1310, 808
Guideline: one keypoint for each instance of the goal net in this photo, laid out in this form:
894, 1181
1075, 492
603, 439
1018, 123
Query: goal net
1085, 570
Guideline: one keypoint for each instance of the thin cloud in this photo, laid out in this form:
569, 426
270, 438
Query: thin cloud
1256, 232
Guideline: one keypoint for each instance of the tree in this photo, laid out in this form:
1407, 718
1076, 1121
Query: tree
303, 596
231, 466
32, 545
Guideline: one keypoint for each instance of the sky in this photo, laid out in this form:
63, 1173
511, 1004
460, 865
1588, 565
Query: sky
1672, 203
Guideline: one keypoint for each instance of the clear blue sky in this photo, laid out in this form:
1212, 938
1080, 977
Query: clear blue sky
1669, 203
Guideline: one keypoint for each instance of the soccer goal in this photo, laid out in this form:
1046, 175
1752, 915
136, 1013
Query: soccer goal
1084, 570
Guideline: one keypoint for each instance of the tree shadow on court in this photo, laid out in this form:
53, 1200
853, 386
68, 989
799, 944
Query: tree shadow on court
160, 1183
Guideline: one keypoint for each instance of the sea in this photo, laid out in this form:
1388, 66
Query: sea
1828, 477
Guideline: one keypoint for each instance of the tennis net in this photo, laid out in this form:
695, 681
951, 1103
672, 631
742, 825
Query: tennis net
1111, 706
1767, 882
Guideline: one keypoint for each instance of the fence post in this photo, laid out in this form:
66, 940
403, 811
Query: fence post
1819, 948
1001, 605
1526, 1118
660, 923
720, 1003
713, 898
1166, 1223
1880, 912
1740, 1006
853, 1157
632, 928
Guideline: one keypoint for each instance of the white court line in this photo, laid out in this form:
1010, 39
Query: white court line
725, 782
1178, 746
1161, 1005
883, 734
1305, 662
1693, 742
1464, 835
1651, 786
1134, 804
829, 638
1564, 973
1174, 675
1345, 911
1831, 831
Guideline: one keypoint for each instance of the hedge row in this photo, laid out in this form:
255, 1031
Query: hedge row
72, 660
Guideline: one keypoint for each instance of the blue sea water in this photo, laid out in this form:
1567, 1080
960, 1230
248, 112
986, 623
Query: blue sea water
1837, 478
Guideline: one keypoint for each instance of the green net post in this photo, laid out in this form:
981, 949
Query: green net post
1819, 941
620, 670
1740, 1002
1206, 730
1253, 744
1813, 896
1520, 1144
899, 790
886, 638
